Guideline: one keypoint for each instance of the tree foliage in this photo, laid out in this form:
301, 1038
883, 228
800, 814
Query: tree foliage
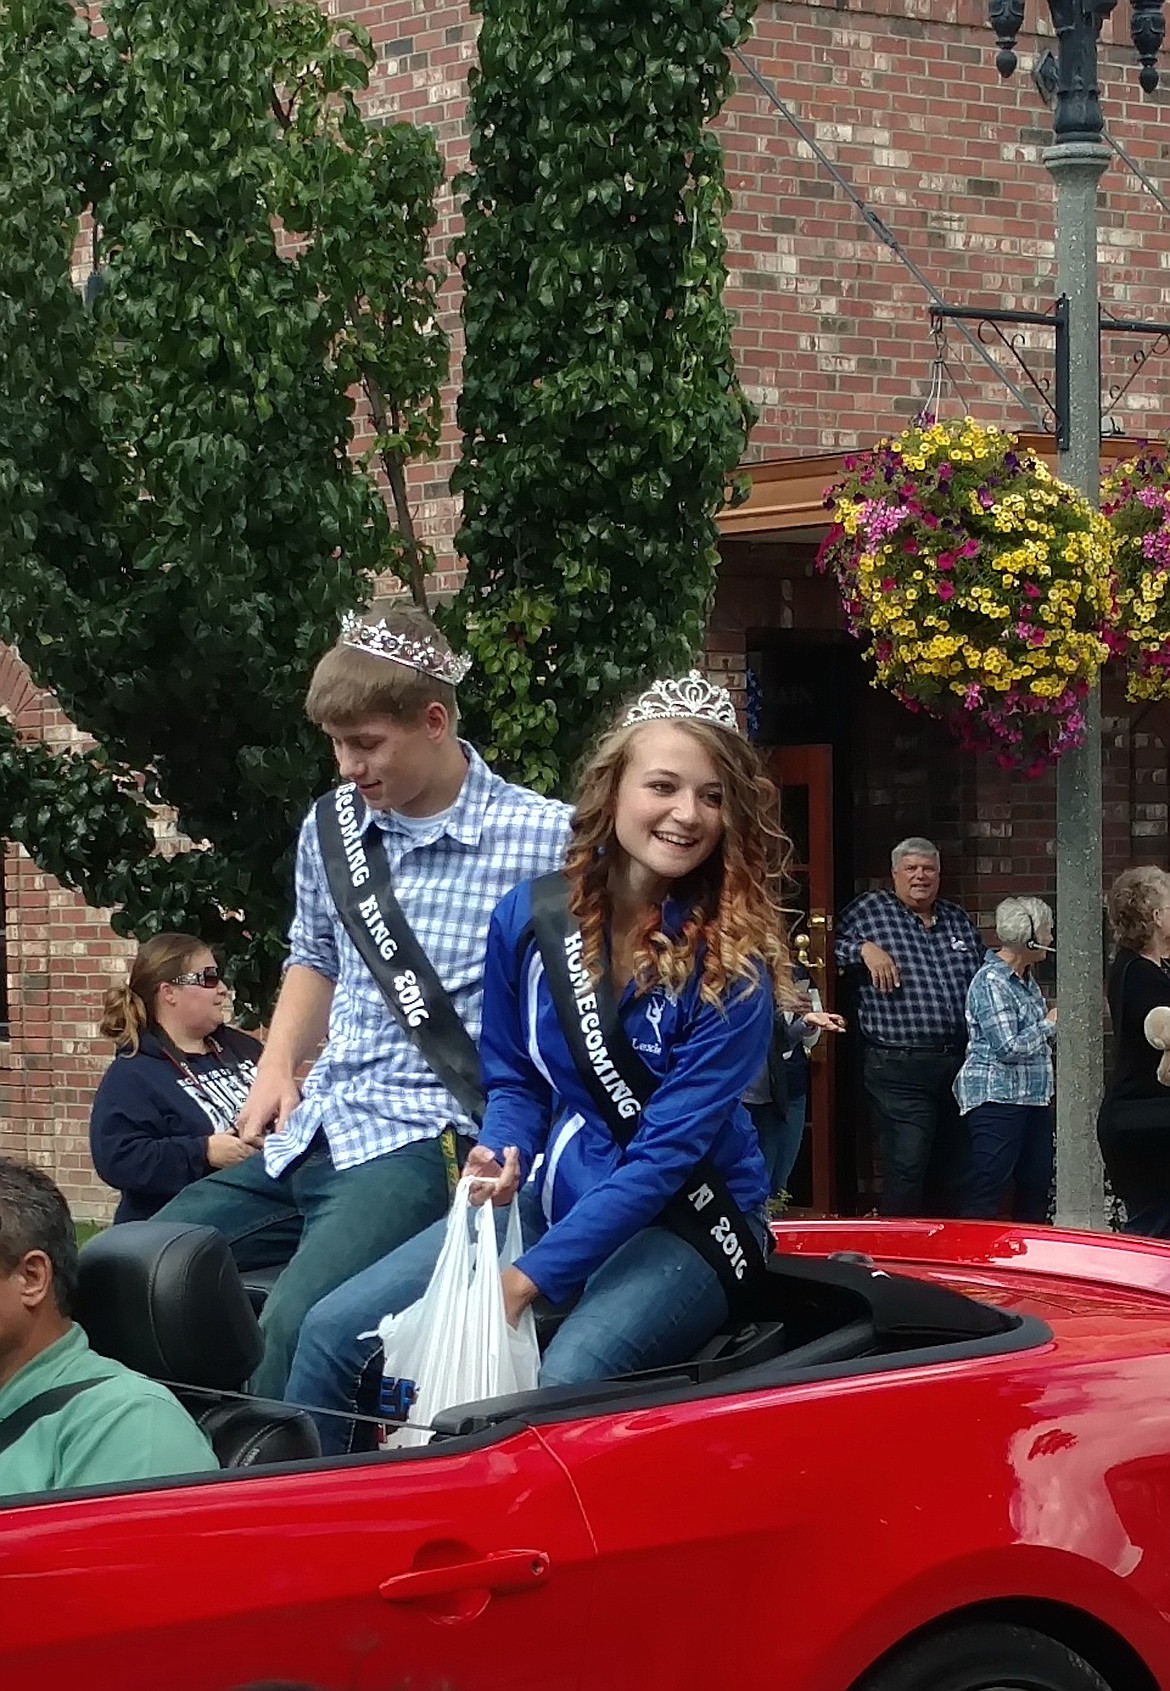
601, 414
182, 519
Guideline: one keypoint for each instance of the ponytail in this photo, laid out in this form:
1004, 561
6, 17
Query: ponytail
124, 1018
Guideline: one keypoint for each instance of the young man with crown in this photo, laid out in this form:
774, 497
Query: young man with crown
628, 1004
398, 872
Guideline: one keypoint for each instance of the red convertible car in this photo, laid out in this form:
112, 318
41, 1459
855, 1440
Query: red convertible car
936, 1459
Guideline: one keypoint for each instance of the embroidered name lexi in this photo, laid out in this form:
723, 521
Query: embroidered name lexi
627, 1105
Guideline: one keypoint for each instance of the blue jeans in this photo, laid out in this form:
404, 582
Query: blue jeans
1008, 1143
324, 1223
652, 1303
780, 1133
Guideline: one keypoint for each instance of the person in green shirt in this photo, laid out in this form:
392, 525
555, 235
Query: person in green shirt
118, 1426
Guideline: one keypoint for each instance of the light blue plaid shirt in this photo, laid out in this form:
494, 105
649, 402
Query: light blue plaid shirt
370, 1089
1009, 1055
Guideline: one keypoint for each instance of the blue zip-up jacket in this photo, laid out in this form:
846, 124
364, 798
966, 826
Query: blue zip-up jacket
595, 1196
148, 1127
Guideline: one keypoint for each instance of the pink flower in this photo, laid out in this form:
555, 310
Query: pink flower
1031, 591
945, 590
945, 560
888, 584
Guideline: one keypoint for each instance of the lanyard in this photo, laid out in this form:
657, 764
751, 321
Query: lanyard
218, 1113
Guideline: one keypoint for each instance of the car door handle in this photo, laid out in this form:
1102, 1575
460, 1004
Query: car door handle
503, 1570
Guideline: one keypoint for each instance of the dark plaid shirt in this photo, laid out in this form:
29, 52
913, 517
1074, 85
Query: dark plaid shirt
935, 964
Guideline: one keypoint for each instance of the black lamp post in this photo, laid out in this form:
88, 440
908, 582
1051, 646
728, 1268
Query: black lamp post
1076, 161
1077, 111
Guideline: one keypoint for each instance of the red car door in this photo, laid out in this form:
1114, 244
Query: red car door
467, 1568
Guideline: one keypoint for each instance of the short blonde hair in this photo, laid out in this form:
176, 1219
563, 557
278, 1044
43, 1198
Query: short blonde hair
1134, 897
348, 683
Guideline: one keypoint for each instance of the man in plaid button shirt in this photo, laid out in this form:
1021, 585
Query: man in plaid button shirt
356, 1166
912, 955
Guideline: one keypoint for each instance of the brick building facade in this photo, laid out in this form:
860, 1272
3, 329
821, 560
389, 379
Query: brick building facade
834, 346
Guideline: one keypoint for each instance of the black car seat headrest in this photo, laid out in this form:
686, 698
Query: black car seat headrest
166, 1299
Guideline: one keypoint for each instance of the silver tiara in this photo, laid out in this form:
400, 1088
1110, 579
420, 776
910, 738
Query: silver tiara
415, 651
693, 696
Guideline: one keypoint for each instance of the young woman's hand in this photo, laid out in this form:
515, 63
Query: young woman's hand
224, 1149
827, 1020
519, 1291
492, 1180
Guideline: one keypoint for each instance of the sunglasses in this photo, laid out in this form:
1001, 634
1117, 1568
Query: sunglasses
199, 977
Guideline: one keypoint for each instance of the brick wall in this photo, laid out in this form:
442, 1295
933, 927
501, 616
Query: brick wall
61, 956
903, 96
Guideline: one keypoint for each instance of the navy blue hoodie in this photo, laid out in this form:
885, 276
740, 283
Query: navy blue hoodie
149, 1125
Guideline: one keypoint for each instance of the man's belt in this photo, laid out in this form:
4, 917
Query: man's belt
938, 1046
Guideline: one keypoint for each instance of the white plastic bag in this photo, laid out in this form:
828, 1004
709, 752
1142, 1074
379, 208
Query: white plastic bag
455, 1344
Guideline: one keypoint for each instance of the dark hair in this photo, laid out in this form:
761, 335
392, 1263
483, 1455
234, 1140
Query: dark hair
128, 1010
349, 683
35, 1217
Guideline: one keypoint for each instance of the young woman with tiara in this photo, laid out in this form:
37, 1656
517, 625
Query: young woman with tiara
628, 1003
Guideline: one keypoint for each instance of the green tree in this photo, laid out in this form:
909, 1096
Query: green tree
182, 518
601, 415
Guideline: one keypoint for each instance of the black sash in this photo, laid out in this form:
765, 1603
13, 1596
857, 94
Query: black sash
702, 1212
14, 1426
405, 976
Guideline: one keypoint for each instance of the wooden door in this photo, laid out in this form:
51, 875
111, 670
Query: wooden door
804, 775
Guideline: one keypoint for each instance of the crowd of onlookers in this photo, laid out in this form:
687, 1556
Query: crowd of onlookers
959, 1040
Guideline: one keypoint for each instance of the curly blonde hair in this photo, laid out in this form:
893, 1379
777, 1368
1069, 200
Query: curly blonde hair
734, 914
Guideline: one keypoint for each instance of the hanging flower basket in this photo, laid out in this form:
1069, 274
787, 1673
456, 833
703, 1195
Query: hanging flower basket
1136, 500
984, 584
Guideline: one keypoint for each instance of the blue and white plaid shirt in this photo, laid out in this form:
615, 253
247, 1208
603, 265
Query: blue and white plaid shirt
1009, 1057
935, 965
370, 1090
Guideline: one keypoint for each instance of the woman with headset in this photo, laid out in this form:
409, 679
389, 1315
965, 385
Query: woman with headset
1005, 1085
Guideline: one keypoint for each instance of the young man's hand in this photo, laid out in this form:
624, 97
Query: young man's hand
273, 1098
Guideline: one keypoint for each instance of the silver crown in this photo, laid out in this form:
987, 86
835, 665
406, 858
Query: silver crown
691, 697
415, 651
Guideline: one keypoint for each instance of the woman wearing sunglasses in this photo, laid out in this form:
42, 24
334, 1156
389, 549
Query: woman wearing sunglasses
165, 1110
